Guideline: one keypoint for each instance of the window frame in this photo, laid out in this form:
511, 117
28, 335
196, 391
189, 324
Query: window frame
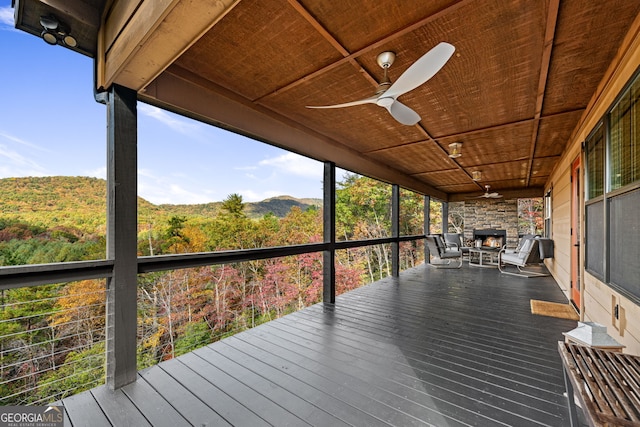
611, 191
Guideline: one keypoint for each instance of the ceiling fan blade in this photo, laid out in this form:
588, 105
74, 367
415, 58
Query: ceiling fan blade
421, 70
403, 114
370, 100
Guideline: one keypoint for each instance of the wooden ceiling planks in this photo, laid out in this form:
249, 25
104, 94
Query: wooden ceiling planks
416, 158
358, 24
253, 57
513, 92
587, 38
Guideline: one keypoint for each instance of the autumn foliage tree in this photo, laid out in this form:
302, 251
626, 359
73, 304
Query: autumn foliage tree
181, 310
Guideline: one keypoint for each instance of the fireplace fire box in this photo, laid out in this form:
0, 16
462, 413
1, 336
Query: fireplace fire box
489, 238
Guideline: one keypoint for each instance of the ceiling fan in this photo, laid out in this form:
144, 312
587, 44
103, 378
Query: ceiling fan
488, 195
417, 74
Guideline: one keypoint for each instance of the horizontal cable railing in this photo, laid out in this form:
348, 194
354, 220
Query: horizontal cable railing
52, 337
52, 341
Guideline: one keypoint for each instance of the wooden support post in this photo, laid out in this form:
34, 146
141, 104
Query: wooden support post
329, 232
427, 223
122, 212
445, 217
395, 230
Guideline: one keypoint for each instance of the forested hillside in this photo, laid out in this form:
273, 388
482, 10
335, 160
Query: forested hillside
79, 202
278, 206
52, 338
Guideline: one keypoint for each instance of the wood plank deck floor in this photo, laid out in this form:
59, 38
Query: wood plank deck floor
434, 347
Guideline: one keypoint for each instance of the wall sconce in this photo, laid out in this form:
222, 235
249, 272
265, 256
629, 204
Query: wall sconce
455, 149
476, 175
56, 32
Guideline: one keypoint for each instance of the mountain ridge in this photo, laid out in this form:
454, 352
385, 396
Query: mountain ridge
67, 200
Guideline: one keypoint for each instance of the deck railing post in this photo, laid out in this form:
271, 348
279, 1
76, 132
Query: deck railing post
122, 170
329, 233
395, 230
445, 217
427, 222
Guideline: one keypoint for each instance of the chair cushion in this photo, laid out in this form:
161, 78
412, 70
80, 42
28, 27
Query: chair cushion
511, 258
525, 249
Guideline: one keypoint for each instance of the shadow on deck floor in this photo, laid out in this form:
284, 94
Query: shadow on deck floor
434, 347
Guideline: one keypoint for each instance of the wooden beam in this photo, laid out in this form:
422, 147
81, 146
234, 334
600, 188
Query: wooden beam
549, 36
76, 9
141, 41
332, 40
122, 220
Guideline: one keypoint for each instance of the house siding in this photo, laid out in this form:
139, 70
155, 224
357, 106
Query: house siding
598, 298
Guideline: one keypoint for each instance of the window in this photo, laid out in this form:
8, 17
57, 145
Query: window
594, 244
624, 121
624, 268
594, 211
613, 195
595, 163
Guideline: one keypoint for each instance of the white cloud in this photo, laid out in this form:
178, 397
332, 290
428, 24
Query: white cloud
254, 196
6, 16
158, 191
100, 172
14, 164
22, 142
146, 173
170, 120
295, 164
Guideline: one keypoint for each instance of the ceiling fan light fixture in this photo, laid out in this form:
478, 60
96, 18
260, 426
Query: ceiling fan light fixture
476, 175
416, 75
455, 150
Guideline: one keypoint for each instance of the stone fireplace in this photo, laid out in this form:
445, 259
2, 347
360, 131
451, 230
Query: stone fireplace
498, 214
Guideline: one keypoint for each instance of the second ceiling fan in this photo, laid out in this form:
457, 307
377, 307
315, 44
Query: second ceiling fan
488, 195
417, 74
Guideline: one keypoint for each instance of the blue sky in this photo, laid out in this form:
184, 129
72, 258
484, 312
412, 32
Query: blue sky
51, 125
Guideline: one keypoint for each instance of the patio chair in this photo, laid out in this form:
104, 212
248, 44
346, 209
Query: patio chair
527, 254
454, 241
443, 257
520, 243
